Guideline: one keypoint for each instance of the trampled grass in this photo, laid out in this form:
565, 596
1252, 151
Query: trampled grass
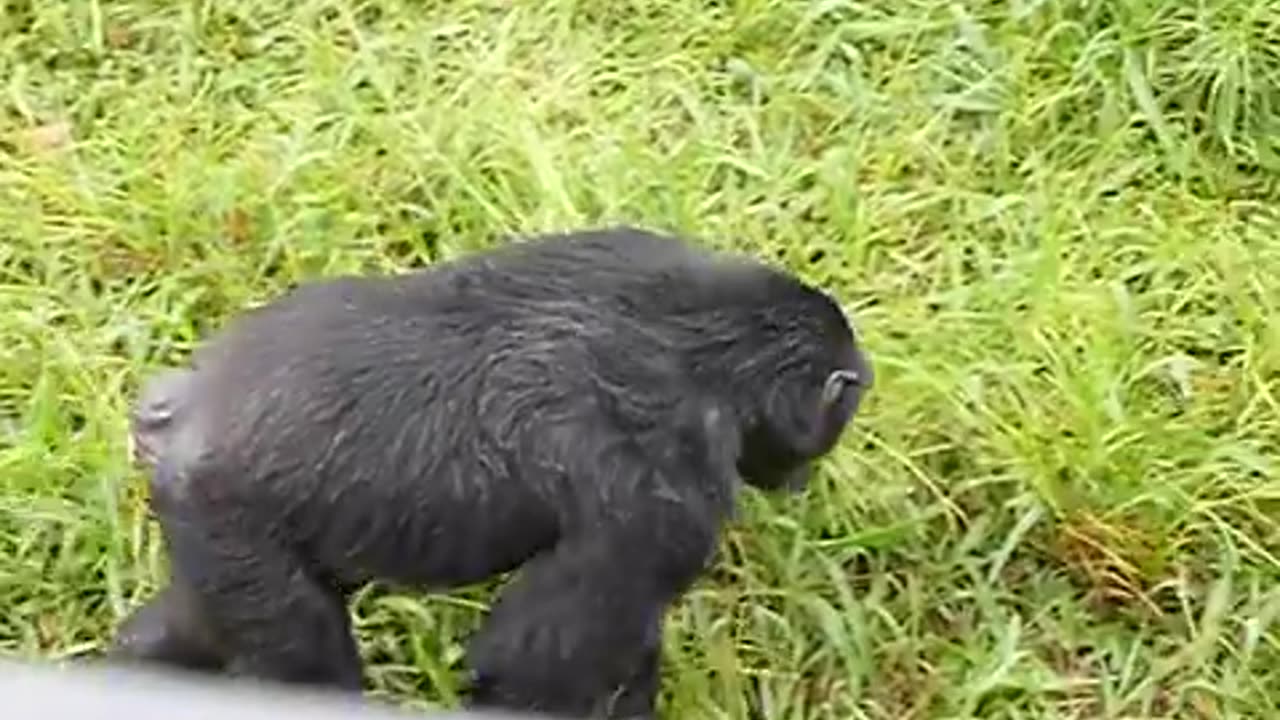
1056, 223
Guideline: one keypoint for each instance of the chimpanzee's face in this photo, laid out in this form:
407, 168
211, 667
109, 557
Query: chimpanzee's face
803, 420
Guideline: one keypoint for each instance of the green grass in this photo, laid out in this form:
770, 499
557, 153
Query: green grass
1055, 222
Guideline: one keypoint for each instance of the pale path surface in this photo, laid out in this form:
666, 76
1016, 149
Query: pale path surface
36, 692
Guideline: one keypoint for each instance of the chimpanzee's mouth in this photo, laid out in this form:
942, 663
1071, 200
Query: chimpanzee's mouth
141, 452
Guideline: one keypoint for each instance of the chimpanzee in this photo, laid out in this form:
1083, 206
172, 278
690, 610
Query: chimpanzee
579, 407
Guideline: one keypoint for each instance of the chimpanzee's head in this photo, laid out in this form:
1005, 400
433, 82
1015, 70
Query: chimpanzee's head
819, 378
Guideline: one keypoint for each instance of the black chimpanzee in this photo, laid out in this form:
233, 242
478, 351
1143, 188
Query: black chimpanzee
578, 406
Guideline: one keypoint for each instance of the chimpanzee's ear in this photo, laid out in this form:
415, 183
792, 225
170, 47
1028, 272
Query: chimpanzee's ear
837, 383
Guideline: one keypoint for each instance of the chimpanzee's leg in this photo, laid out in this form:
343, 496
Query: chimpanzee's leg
275, 621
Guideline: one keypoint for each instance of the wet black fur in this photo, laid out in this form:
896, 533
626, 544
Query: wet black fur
579, 407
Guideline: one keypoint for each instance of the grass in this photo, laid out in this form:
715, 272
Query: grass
1055, 222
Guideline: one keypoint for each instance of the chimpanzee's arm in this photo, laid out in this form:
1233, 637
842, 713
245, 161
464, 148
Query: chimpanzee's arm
579, 631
